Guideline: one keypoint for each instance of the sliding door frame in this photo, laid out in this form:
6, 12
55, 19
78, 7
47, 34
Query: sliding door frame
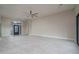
77, 28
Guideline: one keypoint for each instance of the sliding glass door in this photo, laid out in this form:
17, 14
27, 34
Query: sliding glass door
77, 28
0, 30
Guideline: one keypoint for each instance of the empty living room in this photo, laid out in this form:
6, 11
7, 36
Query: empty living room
39, 29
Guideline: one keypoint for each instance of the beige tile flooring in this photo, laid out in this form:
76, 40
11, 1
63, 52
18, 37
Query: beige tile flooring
36, 45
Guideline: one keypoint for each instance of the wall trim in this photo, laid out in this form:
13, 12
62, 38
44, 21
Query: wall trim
53, 37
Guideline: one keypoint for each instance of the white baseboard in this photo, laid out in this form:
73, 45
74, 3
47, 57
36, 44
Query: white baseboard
52, 37
47, 37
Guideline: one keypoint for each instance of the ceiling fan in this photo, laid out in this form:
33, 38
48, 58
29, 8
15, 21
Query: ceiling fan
32, 14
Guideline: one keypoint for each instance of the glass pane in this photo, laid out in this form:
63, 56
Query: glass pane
16, 28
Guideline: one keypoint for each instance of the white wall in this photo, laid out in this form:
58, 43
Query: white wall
61, 25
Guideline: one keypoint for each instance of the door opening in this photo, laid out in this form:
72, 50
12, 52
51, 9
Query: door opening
17, 29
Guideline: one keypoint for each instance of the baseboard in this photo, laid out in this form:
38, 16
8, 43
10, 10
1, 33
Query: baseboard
45, 36
52, 37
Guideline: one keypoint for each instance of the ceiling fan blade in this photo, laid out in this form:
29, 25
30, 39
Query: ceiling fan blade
35, 13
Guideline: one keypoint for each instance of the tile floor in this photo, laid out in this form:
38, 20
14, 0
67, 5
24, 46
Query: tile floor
36, 45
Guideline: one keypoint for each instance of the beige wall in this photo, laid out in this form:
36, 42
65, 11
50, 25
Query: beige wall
25, 27
61, 25
7, 27
76, 9
0, 26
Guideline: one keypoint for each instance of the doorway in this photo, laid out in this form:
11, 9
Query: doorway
17, 29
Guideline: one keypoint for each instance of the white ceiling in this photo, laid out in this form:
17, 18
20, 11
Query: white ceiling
18, 10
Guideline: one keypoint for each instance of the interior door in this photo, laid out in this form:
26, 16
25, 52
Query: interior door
16, 29
77, 28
